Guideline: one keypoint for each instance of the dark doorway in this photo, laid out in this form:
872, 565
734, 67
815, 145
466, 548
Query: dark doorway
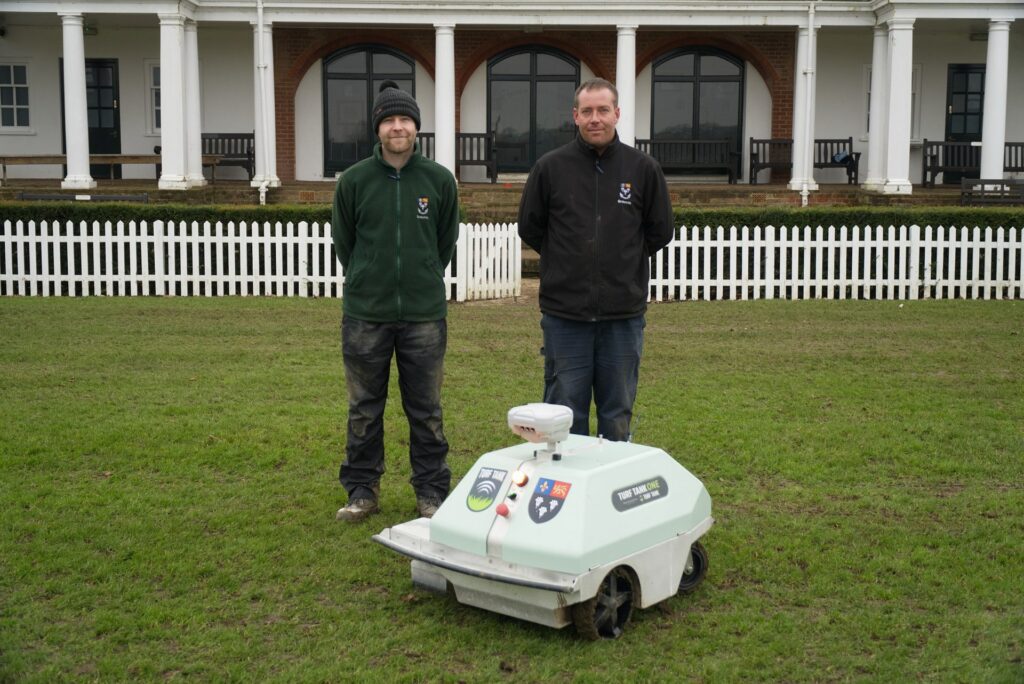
102, 100
529, 104
351, 79
965, 100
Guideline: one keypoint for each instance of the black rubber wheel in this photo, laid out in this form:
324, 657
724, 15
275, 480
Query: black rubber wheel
605, 615
698, 568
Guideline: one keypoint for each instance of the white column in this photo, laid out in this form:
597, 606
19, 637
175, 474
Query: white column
811, 74
172, 102
799, 111
270, 97
444, 95
625, 83
901, 71
193, 122
876, 116
993, 127
76, 112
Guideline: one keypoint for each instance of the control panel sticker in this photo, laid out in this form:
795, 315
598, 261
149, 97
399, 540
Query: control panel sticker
639, 494
548, 499
485, 489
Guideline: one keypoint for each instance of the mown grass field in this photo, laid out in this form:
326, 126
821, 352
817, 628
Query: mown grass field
168, 488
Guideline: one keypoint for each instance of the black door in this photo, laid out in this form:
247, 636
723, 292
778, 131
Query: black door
103, 111
965, 98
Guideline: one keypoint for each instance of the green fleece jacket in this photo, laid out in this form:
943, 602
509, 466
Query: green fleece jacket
394, 233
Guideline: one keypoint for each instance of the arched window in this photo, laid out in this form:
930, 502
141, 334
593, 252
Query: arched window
529, 104
350, 81
697, 94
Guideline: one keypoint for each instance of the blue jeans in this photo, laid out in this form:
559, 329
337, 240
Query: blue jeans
599, 359
419, 350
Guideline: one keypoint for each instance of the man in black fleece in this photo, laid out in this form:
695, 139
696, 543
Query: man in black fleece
595, 210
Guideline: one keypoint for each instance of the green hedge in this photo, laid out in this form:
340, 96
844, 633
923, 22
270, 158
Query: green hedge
690, 216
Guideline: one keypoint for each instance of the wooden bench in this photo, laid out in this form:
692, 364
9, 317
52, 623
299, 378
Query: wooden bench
976, 191
94, 159
233, 149
693, 155
471, 149
957, 156
829, 153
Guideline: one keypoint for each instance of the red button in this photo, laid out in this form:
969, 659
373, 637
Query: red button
502, 510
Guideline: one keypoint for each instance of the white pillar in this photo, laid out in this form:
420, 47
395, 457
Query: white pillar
172, 102
625, 83
76, 112
811, 74
444, 95
993, 127
876, 120
901, 71
270, 97
799, 111
266, 134
193, 123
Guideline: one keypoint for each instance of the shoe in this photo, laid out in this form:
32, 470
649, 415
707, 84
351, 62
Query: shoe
357, 510
427, 506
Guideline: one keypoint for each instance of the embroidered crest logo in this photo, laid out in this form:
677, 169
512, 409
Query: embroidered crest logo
548, 499
485, 489
625, 193
423, 207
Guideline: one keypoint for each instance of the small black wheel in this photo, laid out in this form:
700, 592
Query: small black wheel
696, 569
605, 615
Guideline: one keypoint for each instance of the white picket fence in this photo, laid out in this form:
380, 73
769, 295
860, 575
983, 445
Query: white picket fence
297, 259
870, 262
213, 259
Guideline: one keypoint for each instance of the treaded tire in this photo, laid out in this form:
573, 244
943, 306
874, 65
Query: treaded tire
605, 615
692, 579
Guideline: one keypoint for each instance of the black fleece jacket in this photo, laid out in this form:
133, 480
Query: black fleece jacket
595, 221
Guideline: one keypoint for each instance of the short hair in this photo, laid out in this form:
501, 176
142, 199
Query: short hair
596, 84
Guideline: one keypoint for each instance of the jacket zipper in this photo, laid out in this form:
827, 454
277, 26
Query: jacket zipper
595, 272
398, 242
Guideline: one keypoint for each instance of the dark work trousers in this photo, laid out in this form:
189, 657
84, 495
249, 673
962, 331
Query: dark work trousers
419, 350
593, 358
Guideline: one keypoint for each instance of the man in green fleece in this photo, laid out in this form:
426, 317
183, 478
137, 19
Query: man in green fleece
394, 224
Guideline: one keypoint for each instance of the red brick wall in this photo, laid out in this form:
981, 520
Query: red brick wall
297, 49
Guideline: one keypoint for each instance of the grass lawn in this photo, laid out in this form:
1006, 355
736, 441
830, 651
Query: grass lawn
168, 487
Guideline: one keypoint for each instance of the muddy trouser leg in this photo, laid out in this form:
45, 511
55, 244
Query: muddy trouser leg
366, 349
419, 350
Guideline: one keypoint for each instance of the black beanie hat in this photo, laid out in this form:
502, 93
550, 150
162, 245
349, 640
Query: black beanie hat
394, 102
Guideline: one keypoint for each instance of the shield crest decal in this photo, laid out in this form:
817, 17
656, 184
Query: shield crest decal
485, 489
548, 499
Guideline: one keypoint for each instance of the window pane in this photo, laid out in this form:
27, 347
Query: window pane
959, 82
516, 64
510, 119
389, 64
347, 138
5, 74
91, 98
974, 102
157, 119
7, 96
105, 76
6, 117
555, 126
959, 103
549, 65
156, 98
973, 124
107, 118
23, 117
711, 65
20, 77
719, 105
677, 66
353, 63
974, 82
156, 76
106, 98
21, 97
403, 84
673, 113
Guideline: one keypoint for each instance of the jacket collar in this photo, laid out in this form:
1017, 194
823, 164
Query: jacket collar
589, 149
